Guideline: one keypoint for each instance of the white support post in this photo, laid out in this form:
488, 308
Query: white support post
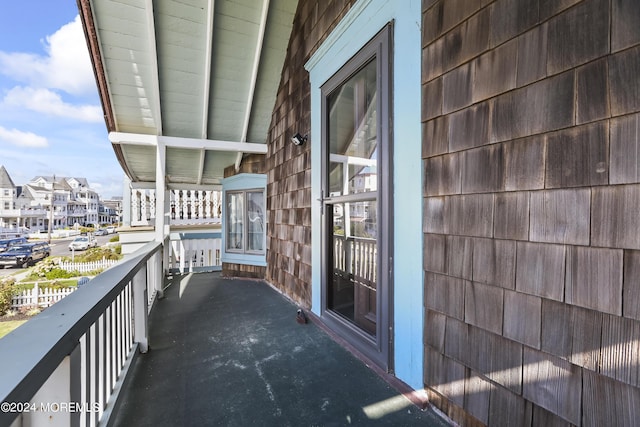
158, 277
140, 326
56, 391
162, 214
163, 204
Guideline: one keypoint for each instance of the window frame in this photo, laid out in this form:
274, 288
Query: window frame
378, 347
243, 182
245, 230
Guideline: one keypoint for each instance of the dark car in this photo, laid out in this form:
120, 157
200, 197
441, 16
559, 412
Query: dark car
7, 243
25, 254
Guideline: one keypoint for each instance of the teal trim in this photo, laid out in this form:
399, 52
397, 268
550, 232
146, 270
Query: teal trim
241, 182
195, 236
244, 181
359, 25
245, 259
198, 269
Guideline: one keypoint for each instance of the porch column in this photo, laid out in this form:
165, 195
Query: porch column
162, 212
162, 222
126, 202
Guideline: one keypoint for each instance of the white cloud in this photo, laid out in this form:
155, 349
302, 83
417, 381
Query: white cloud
22, 139
48, 102
66, 65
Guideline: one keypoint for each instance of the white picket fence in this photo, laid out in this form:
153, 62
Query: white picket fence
84, 267
39, 297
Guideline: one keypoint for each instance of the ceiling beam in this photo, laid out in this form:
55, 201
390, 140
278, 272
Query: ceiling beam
153, 53
254, 76
123, 138
145, 185
207, 72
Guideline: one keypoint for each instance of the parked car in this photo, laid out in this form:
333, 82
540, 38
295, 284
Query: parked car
24, 254
111, 229
82, 243
7, 243
100, 232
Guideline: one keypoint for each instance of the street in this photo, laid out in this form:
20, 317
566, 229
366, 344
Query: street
59, 247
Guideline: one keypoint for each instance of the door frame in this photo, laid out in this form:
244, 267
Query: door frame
378, 349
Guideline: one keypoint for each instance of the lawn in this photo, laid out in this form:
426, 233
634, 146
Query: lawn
9, 325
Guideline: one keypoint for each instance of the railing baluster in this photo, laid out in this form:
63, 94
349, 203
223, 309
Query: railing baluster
101, 345
93, 386
107, 356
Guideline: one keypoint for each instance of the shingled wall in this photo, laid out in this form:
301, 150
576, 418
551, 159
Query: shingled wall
531, 142
289, 166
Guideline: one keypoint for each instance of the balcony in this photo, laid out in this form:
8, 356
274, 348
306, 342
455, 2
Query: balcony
211, 351
24, 213
187, 207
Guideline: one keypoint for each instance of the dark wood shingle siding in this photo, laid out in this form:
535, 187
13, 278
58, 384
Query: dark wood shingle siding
531, 191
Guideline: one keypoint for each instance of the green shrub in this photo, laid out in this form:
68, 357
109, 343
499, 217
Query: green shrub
54, 284
115, 238
97, 254
48, 269
6, 293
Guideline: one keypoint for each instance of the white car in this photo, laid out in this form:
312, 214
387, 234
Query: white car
111, 229
82, 243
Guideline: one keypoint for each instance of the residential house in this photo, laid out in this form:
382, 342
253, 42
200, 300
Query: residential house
110, 211
29, 206
503, 275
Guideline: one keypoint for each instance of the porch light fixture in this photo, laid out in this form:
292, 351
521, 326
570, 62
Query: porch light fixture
298, 139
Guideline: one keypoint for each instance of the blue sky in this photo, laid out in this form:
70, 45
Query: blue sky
50, 114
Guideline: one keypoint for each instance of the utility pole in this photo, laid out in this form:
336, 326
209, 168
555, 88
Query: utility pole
53, 184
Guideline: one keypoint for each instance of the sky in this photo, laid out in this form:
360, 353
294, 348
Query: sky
51, 120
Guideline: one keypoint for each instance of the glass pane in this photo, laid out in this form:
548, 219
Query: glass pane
234, 221
353, 267
255, 223
353, 134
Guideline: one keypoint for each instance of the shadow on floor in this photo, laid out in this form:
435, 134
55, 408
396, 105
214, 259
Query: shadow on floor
229, 352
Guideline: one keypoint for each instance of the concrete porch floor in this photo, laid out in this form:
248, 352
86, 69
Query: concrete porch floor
229, 352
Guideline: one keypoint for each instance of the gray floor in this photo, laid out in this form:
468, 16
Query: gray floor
230, 353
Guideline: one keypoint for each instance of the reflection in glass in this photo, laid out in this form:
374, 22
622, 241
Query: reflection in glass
255, 223
353, 269
235, 211
353, 134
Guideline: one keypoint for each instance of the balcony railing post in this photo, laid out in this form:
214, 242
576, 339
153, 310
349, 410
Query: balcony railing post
160, 263
140, 310
47, 400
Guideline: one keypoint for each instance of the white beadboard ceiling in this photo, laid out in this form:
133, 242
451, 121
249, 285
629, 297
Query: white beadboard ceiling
198, 77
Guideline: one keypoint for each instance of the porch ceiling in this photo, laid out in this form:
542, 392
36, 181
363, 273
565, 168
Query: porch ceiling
198, 77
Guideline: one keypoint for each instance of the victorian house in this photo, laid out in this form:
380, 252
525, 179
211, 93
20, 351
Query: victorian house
27, 208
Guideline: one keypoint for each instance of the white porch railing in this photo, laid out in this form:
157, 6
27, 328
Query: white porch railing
356, 256
20, 213
7, 232
66, 365
195, 252
187, 207
39, 297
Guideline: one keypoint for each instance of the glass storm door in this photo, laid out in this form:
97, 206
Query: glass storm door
356, 204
